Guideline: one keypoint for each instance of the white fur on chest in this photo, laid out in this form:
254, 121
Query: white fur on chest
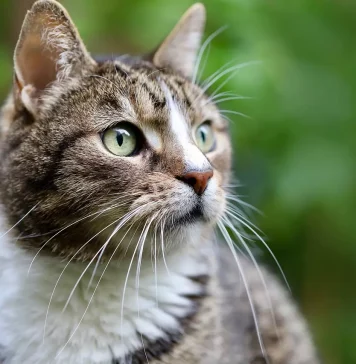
106, 324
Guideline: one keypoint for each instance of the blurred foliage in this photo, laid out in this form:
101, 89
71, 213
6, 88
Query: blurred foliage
296, 155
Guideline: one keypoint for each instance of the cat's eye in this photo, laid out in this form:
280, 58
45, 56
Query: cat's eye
205, 138
121, 140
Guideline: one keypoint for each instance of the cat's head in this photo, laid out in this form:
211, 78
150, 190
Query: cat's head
92, 149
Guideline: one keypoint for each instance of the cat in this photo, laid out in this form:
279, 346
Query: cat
114, 177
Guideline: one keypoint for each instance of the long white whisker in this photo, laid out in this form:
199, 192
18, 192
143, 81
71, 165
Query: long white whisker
123, 221
241, 202
219, 101
217, 72
235, 113
127, 275
120, 224
139, 262
202, 50
244, 280
234, 210
203, 66
22, 218
225, 82
142, 243
224, 99
155, 262
63, 229
223, 73
212, 98
162, 246
265, 245
92, 296
65, 267
227, 119
259, 272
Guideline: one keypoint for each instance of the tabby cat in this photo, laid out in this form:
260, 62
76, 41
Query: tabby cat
114, 176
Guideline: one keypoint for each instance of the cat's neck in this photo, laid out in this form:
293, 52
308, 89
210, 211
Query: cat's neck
56, 311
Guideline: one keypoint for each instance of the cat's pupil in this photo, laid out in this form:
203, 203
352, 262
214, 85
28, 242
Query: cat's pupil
203, 136
119, 138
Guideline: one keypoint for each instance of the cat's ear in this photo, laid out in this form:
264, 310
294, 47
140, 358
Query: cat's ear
179, 50
49, 49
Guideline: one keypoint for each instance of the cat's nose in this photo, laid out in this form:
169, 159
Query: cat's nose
197, 179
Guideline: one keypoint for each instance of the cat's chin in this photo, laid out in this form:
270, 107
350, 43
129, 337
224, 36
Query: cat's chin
196, 216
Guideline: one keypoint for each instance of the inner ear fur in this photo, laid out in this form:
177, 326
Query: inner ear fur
49, 49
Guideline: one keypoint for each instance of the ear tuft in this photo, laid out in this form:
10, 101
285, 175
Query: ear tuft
49, 48
180, 48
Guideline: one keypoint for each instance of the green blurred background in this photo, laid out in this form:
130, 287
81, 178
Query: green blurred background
295, 156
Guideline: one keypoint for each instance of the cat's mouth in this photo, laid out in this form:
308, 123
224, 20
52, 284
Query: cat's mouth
204, 209
196, 214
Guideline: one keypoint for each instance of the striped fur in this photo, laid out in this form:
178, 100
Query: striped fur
64, 197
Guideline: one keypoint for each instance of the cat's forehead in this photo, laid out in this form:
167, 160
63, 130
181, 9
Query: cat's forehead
140, 93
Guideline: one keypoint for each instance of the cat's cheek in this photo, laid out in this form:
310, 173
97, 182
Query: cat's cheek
213, 201
221, 156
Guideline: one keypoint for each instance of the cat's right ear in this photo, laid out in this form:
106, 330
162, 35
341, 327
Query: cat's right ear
180, 49
49, 50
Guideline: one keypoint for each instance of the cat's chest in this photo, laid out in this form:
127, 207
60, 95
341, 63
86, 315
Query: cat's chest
48, 314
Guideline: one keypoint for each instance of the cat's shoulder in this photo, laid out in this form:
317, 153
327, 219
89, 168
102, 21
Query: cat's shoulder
257, 311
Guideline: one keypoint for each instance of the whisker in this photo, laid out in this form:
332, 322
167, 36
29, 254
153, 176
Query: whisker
23, 217
227, 119
60, 231
225, 82
127, 276
219, 101
65, 267
162, 246
234, 210
202, 68
90, 300
32, 236
265, 245
221, 69
144, 349
235, 113
224, 99
139, 262
225, 72
202, 50
212, 98
241, 202
155, 263
123, 220
244, 280
259, 272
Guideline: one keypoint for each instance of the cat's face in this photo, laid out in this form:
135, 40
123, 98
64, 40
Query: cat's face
100, 150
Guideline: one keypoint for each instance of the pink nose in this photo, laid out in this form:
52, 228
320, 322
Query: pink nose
198, 180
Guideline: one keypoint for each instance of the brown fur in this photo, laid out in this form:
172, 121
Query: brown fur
57, 162
53, 162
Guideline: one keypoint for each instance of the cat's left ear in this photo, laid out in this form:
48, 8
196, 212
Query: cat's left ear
179, 50
49, 51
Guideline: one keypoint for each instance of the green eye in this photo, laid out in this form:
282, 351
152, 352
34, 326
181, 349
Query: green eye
205, 138
121, 140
